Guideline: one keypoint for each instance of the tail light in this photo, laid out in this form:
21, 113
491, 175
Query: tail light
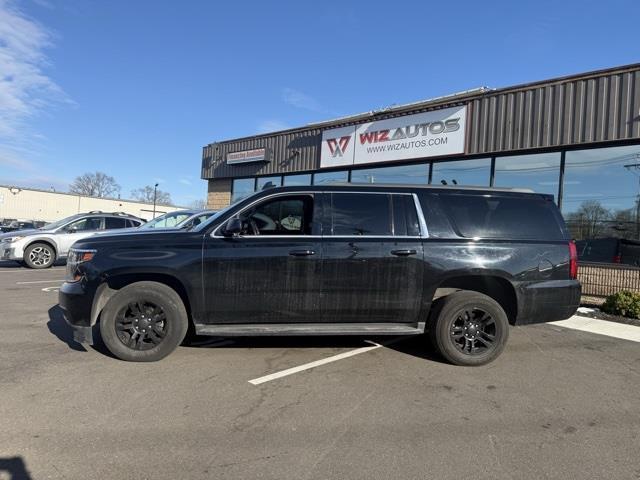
617, 259
573, 260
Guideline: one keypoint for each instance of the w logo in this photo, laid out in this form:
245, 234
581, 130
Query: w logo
337, 146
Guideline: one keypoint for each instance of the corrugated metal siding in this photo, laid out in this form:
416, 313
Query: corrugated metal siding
596, 107
599, 109
289, 152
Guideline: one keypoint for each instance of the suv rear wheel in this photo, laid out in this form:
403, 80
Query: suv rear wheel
469, 328
39, 255
143, 322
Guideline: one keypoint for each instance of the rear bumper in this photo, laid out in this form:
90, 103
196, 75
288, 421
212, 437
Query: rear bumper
548, 301
76, 305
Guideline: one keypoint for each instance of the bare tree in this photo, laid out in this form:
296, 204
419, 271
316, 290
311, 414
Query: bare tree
591, 220
198, 204
96, 184
145, 194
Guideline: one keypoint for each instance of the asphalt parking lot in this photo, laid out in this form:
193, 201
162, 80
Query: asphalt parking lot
559, 403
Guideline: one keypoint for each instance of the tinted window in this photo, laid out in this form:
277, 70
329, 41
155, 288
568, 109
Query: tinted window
133, 223
361, 214
111, 222
405, 217
281, 216
85, 224
502, 217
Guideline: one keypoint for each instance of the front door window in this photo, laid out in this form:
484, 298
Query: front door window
290, 215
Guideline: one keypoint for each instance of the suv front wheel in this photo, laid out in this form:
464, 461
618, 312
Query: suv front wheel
39, 255
143, 322
468, 328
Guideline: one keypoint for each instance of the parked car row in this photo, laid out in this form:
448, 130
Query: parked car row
41, 247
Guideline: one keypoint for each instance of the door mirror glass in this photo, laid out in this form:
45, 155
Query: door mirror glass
233, 227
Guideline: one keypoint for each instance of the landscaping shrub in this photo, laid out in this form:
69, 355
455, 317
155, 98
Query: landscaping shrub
623, 303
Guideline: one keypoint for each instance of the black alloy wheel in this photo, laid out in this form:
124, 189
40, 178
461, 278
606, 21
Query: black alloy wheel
468, 328
141, 325
143, 322
473, 331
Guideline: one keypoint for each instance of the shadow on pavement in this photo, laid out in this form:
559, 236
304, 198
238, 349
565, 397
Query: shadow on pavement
14, 468
58, 326
10, 264
414, 345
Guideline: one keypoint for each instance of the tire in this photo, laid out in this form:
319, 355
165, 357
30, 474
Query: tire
39, 255
468, 328
143, 322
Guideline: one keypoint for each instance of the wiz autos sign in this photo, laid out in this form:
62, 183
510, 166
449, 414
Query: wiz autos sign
430, 134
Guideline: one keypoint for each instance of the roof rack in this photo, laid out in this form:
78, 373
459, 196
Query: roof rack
421, 185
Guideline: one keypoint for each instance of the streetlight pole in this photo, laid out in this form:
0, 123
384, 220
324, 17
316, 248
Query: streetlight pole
155, 193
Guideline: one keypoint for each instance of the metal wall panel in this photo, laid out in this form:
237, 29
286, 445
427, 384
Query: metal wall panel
579, 111
595, 107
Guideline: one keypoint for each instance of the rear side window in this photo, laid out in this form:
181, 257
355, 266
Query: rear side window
361, 214
112, 222
502, 217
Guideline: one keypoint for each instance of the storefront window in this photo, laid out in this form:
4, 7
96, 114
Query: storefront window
540, 172
242, 187
600, 197
418, 174
297, 180
268, 182
462, 172
328, 177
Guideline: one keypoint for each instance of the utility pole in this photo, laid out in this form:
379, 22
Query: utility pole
155, 193
634, 167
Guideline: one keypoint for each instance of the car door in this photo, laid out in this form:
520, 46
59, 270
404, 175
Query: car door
77, 230
270, 272
372, 258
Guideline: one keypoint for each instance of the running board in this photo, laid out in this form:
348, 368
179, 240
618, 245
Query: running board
260, 329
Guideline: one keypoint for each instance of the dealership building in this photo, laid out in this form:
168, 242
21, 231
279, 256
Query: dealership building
575, 137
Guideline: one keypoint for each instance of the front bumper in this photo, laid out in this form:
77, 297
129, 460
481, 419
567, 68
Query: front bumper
76, 304
10, 251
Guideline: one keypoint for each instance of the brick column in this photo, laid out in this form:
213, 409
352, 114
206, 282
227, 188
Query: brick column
219, 193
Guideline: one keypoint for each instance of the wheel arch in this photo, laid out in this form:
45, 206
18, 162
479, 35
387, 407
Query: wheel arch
114, 283
495, 286
46, 241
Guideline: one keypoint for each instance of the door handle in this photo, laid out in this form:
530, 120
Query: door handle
403, 253
301, 253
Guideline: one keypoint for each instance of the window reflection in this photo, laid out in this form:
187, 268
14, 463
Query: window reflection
462, 172
242, 187
297, 180
600, 197
268, 182
328, 177
540, 172
400, 174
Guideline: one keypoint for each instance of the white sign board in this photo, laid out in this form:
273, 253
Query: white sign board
246, 156
429, 134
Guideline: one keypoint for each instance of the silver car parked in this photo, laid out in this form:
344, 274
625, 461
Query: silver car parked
40, 248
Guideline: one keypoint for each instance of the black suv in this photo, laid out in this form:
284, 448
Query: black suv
459, 263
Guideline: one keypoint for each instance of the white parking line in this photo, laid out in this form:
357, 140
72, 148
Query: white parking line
40, 281
317, 363
601, 327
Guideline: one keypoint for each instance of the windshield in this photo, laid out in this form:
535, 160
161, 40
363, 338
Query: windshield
59, 223
168, 220
212, 218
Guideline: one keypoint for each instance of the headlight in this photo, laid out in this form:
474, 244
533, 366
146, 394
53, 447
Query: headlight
13, 239
75, 259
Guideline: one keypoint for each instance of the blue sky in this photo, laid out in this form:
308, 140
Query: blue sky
136, 88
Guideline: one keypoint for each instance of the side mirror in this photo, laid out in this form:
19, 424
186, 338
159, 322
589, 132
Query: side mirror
233, 228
